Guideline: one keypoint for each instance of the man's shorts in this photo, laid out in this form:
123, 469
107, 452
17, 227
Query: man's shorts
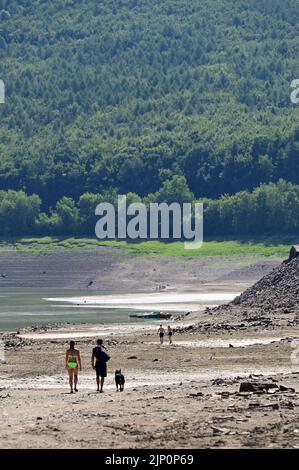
101, 369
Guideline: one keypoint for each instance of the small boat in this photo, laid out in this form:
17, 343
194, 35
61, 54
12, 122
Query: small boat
157, 315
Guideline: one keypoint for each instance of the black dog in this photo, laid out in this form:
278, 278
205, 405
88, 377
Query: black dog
119, 380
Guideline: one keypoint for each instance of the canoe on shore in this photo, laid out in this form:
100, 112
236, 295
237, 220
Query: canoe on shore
157, 315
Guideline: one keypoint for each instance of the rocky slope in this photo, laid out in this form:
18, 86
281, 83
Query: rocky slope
274, 295
277, 291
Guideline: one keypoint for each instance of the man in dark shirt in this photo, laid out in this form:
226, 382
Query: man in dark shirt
99, 364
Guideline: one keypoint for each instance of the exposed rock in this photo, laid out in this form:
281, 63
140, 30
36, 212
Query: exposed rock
218, 431
256, 387
282, 388
278, 291
218, 382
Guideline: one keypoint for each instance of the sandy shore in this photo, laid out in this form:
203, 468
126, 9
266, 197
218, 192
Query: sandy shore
183, 395
168, 301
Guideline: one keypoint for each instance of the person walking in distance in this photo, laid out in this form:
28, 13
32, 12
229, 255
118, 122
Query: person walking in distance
170, 333
99, 360
72, 364
161, 332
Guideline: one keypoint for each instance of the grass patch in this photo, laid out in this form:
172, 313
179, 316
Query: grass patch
46, 245
209, 248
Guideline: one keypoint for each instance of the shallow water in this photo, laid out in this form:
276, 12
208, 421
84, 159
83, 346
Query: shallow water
20, 308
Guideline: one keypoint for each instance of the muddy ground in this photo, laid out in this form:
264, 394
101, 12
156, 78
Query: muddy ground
114, 270
184, 395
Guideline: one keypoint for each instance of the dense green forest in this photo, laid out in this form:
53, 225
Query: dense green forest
132, 96
270, 208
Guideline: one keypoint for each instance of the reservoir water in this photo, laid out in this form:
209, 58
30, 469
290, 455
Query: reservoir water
21, 308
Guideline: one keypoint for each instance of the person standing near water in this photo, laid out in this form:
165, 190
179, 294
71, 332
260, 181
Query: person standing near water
161, 332
72, 365
170, 333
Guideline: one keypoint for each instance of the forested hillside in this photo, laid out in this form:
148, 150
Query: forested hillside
119, 96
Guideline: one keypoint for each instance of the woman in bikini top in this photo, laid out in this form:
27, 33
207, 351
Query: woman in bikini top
72, 362
72, 358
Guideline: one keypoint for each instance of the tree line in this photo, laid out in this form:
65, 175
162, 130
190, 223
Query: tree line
269, 209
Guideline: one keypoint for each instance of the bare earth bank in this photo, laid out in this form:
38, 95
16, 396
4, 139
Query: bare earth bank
113, 270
